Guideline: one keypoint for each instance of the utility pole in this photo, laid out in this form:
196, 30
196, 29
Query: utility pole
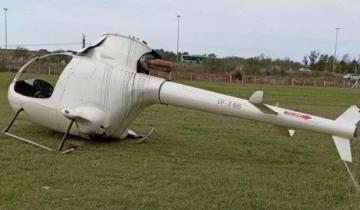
83, 40
335, 51
5, 10
178, 36
6, 52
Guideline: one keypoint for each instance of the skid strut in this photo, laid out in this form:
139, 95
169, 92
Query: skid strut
13, 120
6, 132
61, 145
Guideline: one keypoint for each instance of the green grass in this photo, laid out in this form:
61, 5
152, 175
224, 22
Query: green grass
194, 160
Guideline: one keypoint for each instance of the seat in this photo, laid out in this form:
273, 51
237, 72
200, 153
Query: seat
35, 88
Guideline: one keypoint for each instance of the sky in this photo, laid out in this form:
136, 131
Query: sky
245, 28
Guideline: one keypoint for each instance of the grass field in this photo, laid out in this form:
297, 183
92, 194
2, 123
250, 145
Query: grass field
194, 160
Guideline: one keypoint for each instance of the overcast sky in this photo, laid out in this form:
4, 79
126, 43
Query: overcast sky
277, 28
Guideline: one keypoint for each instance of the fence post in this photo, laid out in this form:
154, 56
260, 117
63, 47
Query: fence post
292, 81
170, 76
230, 78
315, 83
324, 83
304, 82
255, 80
191, 77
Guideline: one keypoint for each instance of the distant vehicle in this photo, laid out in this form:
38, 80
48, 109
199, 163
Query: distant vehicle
304, 70
351, 76
192, 58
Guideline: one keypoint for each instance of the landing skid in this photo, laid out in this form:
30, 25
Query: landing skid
138, 139
6, 132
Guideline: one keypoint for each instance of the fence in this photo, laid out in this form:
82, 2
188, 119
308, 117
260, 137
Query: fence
56, 68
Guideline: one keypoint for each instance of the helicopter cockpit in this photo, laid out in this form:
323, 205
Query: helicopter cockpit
38, 87
35, 88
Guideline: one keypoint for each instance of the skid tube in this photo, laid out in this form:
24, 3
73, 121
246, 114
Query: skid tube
7, 133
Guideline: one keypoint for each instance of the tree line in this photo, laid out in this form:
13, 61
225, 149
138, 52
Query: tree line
324, 62
262, 64
315, 61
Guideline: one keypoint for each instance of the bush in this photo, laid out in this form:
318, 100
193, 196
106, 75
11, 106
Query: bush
2, 65
237, 75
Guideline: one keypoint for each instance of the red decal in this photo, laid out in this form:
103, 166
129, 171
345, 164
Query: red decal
299, 115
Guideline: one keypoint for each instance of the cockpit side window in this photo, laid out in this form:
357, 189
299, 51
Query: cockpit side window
38, 77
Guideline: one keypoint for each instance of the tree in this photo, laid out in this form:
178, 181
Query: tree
354, 66
21, 52
323, 63
313, 57
212, 55
346, 58
167, 55
43, 51
305, 61
342, 66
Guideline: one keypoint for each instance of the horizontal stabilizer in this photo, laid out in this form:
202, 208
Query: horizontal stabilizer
343, 148
256, 99
350, 116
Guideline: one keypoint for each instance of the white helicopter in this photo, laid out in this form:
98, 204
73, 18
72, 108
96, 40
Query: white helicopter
106, 85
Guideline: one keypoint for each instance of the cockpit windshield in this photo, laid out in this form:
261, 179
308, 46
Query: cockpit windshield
38, 77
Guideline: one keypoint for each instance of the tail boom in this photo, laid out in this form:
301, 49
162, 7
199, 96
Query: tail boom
194, 98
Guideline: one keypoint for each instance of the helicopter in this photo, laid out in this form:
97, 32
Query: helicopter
107, 85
